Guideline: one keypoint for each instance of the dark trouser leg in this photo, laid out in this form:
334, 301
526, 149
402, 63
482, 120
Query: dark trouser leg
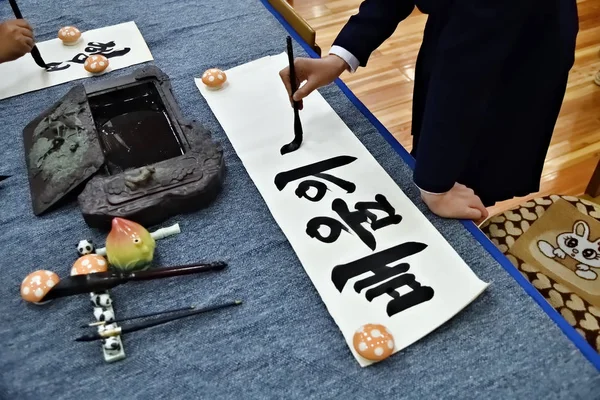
422, 74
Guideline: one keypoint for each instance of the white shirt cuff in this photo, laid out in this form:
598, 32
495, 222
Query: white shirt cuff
431, 193
345, 55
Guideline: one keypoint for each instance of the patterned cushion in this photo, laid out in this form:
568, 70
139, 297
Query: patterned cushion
506, 228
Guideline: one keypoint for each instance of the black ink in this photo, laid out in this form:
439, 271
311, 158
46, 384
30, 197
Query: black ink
283, 178
349, 187
106, 49
99, 47
335, 226
378, 264
79, 58
384, 274
304, 186
381, 204
355, 219
56, 66
418, 294
94, 48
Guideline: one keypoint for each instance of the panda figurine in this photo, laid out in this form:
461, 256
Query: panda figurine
102, 299
85, 247
105, 315
112, 345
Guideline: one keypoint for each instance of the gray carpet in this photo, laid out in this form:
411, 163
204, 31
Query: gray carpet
281, 343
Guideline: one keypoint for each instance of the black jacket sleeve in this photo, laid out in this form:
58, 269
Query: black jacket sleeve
375, 22
473, 46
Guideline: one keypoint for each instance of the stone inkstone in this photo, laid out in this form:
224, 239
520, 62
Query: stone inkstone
124, 149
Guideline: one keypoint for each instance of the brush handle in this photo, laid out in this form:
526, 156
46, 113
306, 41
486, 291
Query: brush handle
290, 53
297, 122
179, 270
149, 324
15, 8
295, 144
37, 57
35, 53
97, 323
160, 321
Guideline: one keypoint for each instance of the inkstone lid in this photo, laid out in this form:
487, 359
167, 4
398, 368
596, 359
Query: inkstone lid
62, 150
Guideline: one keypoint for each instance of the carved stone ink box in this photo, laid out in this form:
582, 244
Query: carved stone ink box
123, 148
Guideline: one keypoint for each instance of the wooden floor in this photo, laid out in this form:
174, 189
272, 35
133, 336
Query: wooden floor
386, 85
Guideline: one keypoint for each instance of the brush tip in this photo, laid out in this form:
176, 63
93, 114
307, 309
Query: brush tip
290, 147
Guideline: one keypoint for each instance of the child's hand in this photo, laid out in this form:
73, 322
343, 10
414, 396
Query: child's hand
16, 39
316, 72
460, 203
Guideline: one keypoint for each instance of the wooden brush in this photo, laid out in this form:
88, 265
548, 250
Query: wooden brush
143, 325
295, 144
98, 323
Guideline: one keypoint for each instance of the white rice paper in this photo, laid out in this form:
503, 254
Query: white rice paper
255, 113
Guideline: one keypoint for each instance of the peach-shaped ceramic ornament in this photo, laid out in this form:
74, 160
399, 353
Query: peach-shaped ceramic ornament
129, 246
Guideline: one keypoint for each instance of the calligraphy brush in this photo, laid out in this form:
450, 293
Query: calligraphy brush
35, 53
143, 325
101, 281
295, 144
98, 323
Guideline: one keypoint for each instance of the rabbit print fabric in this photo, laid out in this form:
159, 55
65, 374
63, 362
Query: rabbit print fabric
578, 246
554, 242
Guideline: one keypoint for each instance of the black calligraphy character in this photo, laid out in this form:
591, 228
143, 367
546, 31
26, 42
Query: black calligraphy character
106, 49
381, 204
318, 170
355, 219
56, 66
79, 58
335, 229
305, 186
59, 66
378, 264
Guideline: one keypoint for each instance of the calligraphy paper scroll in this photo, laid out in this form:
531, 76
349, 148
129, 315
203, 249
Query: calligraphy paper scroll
371, 254
122, 44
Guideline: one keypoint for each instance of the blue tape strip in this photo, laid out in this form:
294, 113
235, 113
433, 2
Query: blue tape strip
588, 351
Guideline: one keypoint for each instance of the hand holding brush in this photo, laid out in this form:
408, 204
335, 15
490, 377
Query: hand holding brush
16, 39
22, 39
295, 144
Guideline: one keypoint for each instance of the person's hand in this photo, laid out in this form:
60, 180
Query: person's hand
459, 203
16, 39
316, 72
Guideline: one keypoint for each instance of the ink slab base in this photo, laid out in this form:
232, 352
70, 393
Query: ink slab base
123, 149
